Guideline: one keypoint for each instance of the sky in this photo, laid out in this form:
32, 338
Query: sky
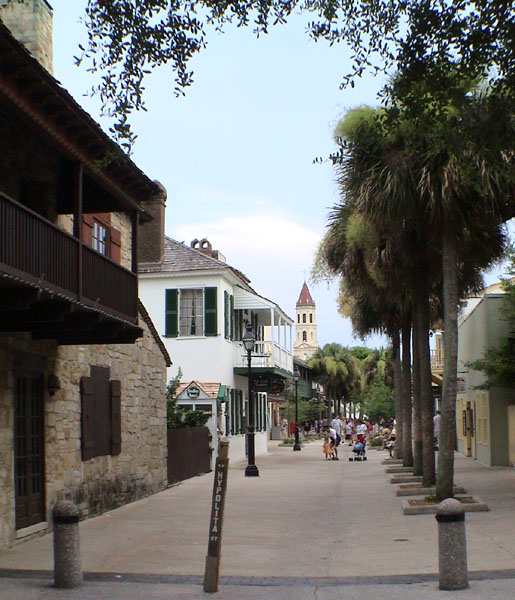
236, 152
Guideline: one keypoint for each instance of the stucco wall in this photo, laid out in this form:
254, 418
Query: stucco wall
100, 483
200, 358
483, 328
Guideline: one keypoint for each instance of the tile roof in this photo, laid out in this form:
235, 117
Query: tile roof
178, 258
209, 388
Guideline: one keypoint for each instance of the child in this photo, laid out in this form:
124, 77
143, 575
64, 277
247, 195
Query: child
328, 449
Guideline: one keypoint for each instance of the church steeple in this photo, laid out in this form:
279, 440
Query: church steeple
305, 298
306, 343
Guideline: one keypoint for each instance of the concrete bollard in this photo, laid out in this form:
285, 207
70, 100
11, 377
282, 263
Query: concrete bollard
452, 545
67, 566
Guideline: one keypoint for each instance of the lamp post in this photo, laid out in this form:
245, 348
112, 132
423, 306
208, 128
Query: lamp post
296, 377
248, 342
319, 405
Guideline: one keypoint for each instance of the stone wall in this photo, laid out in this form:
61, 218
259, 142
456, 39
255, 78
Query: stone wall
103, 482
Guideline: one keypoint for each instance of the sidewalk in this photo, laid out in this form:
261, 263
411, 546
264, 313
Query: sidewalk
311, 525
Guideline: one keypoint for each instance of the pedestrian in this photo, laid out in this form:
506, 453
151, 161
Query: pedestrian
436, 429
307, 427
361, 429
385, 434
348, 432
333, 439
336, 425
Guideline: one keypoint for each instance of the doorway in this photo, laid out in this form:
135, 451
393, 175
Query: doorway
29, 459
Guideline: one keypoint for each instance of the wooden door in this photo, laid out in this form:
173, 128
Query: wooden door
29, 449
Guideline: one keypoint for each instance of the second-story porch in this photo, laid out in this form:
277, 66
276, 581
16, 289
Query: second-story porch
59, 168
273, 353
55, 287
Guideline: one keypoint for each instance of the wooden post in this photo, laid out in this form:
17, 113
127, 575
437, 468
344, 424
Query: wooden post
212, 570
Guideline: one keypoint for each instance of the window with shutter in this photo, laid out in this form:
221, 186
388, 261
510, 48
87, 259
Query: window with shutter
171, 313
100, 414
191, 312
210, 327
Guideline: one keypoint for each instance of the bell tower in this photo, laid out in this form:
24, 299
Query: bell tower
306, 343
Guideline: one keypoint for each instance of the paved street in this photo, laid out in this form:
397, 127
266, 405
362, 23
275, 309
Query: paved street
305, 528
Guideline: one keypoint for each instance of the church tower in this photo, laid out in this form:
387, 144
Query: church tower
306, 343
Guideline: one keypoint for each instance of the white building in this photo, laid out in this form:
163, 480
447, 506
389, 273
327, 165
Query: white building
201, 305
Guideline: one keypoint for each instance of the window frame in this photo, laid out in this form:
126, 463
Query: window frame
100, 245
175, 322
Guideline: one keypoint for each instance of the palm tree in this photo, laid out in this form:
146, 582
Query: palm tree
334, 368
416, 174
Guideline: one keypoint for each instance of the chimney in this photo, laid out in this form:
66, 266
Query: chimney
30, 22
151, 236
206, 248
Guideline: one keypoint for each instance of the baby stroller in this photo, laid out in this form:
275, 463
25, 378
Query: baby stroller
359, 449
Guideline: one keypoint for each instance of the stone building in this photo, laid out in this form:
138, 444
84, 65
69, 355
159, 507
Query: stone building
82, 368
306, 343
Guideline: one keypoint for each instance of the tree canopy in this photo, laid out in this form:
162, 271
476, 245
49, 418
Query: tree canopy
425, 39
498, 362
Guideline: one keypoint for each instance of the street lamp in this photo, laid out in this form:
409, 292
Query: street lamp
296, 377
319, 405
248, 342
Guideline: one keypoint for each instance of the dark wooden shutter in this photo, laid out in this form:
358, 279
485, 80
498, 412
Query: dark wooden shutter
116, 416
227, 322
210, 327
87, 407
87, 229
115, 245
231, 317
171, 313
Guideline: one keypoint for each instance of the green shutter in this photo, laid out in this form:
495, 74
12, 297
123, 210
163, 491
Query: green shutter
242, 427
171, 313
226, 315
231, 316
233, 427
210, 311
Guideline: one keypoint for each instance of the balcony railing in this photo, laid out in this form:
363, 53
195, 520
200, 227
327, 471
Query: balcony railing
35, 250
269, 355
436, 360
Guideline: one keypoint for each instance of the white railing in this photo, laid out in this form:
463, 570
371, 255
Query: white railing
267, 354
436, 359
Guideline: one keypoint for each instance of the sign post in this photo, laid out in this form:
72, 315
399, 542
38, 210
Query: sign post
212, 569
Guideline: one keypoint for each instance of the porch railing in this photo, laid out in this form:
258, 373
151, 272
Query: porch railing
34, 249
436, 359
268, 354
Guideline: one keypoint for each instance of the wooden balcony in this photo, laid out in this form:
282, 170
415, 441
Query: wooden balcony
54, 286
